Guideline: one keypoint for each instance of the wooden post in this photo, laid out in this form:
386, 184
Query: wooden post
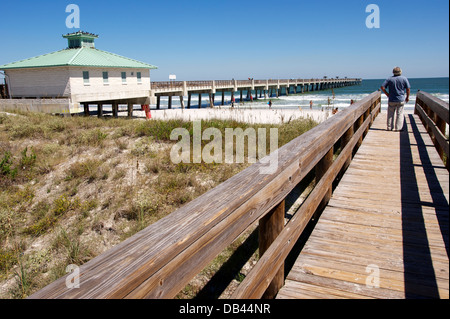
345, 139
170, 102
321, 169
441, 125
115, 109
86, 109
415, 106
100, 109
182, 101
366, 115
158, 102
211, 100
189, 100
130, 109
223, 98
199, 100
357, 125
270, 226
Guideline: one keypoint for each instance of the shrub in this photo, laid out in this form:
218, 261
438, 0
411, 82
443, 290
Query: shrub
76, 251
6, 166
8, 258
89, 169
27, 161
63, 204
41, 225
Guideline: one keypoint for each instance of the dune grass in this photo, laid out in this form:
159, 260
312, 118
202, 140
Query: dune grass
73, 187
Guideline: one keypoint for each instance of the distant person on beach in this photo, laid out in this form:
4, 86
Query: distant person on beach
351, 102
398, 93
270, 104
310, 104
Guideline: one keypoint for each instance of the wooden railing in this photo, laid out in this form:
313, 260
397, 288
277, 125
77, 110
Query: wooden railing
160, 260
433, 113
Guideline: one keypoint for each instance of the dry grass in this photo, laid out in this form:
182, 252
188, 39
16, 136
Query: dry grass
71, 188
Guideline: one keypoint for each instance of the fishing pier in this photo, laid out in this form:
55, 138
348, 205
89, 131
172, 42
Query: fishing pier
253, 89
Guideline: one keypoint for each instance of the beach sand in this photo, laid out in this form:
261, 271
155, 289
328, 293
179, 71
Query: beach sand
261, 116
246, 115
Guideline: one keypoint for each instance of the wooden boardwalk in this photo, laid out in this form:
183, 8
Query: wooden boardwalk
385, 231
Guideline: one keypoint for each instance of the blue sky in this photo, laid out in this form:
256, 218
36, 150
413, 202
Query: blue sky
212, 39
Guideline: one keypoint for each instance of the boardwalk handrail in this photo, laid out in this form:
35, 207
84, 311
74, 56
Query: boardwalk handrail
160, 260
270, 263
433, 113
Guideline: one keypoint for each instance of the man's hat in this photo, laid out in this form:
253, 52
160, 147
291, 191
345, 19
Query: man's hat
397, 71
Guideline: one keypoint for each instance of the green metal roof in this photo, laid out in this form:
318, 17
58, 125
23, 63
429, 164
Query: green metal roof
82, 57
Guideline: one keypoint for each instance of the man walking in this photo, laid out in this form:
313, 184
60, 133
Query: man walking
399, 90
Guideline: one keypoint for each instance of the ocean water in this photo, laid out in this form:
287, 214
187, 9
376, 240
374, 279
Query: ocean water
338, 97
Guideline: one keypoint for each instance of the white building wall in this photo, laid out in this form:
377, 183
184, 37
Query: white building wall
68, 82
39, 82
114, 89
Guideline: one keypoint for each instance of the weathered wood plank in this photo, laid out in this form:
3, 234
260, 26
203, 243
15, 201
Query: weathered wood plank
378, 215
300, 290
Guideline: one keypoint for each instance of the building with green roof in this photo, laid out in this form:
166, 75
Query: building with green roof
81, 73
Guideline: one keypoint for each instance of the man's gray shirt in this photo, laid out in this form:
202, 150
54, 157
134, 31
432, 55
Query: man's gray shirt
396, 86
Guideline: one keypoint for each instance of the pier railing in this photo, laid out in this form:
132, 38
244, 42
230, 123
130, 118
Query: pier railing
160, 260
161, 86
167, 85
434, 114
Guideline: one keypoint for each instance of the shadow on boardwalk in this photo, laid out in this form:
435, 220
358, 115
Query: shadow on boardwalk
419, 271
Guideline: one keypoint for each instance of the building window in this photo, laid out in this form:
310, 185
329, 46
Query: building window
86, 77
124, 77
139, 77
105, 78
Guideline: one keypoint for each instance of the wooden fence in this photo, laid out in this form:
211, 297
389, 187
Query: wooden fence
433, 113
160, 260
